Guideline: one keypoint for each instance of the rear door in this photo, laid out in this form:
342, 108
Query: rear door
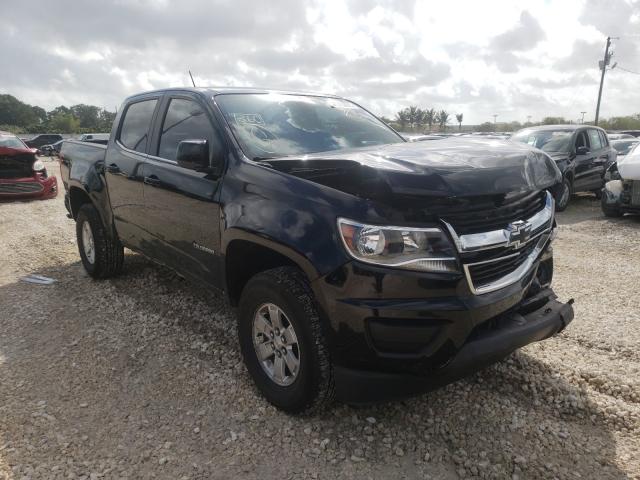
599, 161
583, 162
182, 213
125, 156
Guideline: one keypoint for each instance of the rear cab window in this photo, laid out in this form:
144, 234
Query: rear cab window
594, 139
136, 123
603, 139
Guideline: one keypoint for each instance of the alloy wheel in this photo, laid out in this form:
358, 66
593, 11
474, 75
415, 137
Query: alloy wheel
276, 344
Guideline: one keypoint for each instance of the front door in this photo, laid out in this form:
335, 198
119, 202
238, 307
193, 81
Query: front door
182, 212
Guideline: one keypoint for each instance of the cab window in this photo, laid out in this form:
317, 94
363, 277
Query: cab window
134, 131
185, 120
594, 139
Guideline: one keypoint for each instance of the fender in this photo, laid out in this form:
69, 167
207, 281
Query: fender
296, 257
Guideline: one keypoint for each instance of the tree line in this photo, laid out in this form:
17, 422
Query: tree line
20, 117
416, 119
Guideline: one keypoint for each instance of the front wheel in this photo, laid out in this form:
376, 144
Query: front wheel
102, 255
282, 341
564, 196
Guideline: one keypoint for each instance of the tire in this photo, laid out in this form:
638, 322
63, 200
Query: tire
564, 195
608, 210
107, 253
311, 386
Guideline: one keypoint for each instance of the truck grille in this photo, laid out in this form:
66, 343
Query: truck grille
490, 215
493, 269
20, 187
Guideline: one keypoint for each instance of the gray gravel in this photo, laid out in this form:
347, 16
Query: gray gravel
141, 377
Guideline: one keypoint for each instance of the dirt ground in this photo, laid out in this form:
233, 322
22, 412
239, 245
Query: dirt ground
141, 377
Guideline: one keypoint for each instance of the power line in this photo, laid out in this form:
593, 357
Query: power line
629, 71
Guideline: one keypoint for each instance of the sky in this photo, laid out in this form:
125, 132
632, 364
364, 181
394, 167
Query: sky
512, 58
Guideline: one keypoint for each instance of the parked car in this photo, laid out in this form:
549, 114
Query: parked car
44, 139
95, 138
361, 265
624, 146
619, 136
621, 194
50, 150
581, 152
635, 133
22, 175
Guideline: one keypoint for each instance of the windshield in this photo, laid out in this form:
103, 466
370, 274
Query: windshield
11, 141
274, 125
557, 141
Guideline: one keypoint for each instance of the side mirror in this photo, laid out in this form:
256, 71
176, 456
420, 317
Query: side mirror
194, 155
582, 150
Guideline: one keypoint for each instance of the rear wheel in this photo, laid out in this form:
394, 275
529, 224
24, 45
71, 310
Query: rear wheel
282, 341
564, 195
102, 255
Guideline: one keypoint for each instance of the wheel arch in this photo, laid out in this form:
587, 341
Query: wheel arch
77, 198
247, 254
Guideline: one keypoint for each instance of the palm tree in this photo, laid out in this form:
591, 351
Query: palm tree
415, 116
442, 119
430, 117
459, 117
402, 118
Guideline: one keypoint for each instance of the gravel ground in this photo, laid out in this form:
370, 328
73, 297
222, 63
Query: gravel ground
141, 377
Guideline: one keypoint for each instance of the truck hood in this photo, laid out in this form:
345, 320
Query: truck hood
456, 167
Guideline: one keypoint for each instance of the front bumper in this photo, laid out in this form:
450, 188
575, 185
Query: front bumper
536, 318
417, 331
622, 195
36, 187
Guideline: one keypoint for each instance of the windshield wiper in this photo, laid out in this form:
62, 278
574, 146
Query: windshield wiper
257, 159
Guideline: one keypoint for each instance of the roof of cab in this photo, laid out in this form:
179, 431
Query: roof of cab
230, 90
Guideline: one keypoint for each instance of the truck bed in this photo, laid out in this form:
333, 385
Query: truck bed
76, 158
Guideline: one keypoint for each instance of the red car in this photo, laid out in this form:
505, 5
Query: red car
22, 174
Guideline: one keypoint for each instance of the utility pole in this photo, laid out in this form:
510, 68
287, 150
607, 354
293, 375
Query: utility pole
603, 67
528, 118
495, 116
582, 116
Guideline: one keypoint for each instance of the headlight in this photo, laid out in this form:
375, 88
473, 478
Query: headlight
422, 249
38, 166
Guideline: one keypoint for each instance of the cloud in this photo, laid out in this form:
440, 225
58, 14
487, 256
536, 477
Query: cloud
523, 36
478, 58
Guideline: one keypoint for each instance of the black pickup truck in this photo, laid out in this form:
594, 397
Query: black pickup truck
362, 267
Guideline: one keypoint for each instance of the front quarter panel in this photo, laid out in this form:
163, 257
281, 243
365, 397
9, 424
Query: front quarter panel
287, 210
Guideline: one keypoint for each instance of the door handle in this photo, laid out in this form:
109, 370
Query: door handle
113, 168
152, 180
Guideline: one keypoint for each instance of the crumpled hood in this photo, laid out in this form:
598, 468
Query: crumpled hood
16, 162
453, 167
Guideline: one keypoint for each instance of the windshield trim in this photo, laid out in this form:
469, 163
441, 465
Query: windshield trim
258, 159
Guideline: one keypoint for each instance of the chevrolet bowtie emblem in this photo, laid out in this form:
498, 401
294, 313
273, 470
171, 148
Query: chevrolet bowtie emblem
518, 233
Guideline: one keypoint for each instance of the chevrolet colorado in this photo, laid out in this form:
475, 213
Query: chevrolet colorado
363, 267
